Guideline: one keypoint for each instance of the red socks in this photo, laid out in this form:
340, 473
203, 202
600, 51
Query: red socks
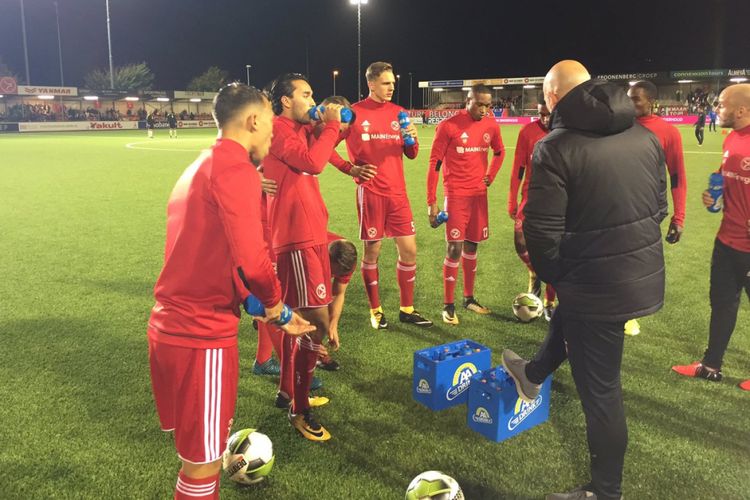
188, 488
370, 277
469, 261
286, 380
305, 358
549, 294
450, 276
407, 276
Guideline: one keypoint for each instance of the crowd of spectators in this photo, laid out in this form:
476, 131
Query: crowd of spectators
55, 112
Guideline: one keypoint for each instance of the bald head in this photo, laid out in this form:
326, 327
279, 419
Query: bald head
561, 79
734, 106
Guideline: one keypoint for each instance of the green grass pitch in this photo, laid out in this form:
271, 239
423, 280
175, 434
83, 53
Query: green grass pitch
82, 220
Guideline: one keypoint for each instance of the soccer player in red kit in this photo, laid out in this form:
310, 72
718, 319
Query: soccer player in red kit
643, 94
730, 264
298, 220
215, 256
529, 135
382, 204
460, 148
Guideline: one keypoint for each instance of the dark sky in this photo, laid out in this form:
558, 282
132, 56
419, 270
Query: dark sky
433, 39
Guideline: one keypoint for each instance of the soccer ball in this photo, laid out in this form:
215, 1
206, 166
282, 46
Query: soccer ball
249, 457
527, 307
434, 485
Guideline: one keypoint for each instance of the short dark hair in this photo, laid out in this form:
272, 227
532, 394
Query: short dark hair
232, 98
376, 69
337, 99
647, 87
480, 88
283, 86
344, 253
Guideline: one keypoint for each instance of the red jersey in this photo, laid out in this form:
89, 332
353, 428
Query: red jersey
735, 167
671, 141
375, 138
297, 214
214, 254
341, 278
529, 135
461, 143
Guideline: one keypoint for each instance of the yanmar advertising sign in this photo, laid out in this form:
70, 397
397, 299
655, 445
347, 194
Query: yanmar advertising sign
39, 90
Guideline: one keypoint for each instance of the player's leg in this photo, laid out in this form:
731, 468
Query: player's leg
477, 230
399, 224
450, 277
370, 212
268, 342
549, 301
150, 132
535, 284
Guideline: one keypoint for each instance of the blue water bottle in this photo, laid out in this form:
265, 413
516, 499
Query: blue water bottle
254, 307
440, 218
716, 190
346, 113
403, 120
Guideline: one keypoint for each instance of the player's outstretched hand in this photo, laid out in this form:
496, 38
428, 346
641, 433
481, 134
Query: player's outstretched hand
332, 113
674, 233
333, 339
268, 185
707, 199
364, 172
432, 212
298, 326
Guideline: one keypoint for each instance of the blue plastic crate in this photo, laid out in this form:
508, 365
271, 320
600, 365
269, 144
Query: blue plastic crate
442, 374
494, 409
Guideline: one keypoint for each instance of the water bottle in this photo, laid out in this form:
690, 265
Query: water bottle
441, 217
346, 113
716, 190
403, 120
254, 307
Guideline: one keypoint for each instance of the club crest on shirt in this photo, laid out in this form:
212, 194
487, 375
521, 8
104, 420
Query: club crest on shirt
320, 290
464, 137
745, 163
486, 137
395, 125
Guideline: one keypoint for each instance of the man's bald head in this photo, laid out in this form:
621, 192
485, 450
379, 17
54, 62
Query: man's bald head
734, 106
561, 79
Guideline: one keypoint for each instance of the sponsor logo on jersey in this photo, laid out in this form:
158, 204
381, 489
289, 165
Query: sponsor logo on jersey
385, 137
522, 411
461, 380
424, 387
482, 416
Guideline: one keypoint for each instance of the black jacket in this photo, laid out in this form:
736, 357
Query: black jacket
597, 194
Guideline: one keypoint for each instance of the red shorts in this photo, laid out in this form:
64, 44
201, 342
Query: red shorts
195, 392
305, 277
467, 218
383, 216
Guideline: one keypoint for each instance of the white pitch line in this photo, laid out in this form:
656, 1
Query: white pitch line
134, 145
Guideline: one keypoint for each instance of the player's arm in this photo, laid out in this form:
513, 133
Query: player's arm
437, 155
237, 193
309, 159
498, 155
546, 205
516, 176
678, 178
338, 290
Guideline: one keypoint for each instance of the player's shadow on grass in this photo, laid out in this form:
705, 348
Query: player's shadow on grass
135, 288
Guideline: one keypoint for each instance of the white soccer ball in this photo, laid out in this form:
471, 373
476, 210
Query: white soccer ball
434, 485
527, 307
249, 457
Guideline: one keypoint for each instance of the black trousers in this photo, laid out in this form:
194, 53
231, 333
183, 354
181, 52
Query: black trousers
699, 135
712, 125
594, 350
730, 273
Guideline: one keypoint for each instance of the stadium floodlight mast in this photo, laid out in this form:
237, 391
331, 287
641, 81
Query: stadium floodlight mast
25, 47
59, 45
109, 44
335, 74
359, 3
247, 68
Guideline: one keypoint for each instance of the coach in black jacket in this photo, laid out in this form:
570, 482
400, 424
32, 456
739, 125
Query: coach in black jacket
596, 197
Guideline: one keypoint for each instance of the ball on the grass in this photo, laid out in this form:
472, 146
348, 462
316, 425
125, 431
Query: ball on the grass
434, 485
527, 307
249, 457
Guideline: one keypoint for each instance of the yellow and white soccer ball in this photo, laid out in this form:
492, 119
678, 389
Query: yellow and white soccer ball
434, 485
527, 307
249, 457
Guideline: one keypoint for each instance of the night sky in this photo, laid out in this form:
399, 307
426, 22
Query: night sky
432, 39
